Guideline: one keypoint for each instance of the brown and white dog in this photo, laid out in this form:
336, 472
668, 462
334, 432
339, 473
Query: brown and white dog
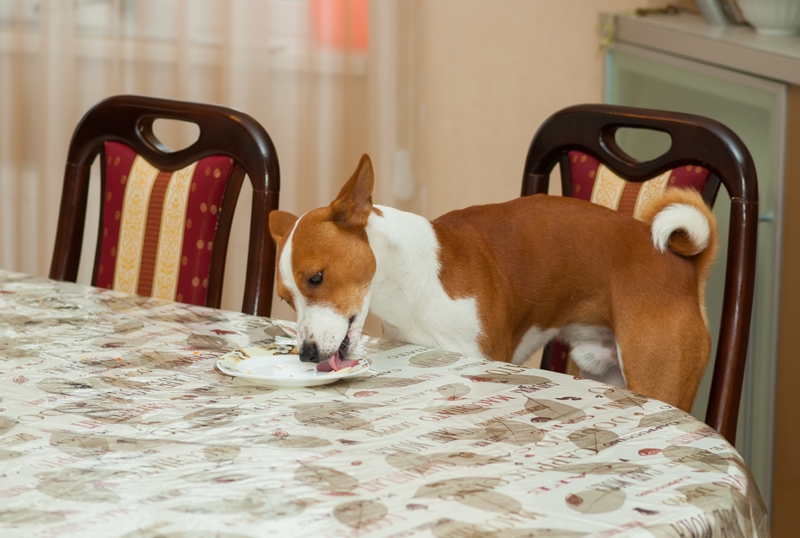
500, 280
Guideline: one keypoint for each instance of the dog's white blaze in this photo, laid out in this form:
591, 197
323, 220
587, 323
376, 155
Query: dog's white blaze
532, 340
681, 217
405, 249
287, 276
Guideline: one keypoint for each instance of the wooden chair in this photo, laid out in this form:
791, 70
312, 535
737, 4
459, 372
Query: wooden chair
166, 216
703, 154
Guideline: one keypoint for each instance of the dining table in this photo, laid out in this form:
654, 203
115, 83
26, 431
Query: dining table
115, 420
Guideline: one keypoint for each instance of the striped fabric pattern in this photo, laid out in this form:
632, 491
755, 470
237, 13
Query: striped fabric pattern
594, 182
158, 226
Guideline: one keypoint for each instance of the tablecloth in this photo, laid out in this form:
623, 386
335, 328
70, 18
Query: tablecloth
115, 422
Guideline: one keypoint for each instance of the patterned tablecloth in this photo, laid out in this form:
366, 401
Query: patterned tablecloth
115, 422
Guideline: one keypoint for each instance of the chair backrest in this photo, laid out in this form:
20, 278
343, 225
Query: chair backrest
166, 216
716, 155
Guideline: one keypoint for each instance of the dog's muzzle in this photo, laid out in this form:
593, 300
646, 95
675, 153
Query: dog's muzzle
309, 351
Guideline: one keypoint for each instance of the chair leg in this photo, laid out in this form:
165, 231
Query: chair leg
547, 355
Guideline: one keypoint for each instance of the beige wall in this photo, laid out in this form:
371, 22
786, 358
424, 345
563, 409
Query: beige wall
462, 85
473, 79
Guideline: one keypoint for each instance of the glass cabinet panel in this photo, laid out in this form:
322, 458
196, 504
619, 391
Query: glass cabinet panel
754, 109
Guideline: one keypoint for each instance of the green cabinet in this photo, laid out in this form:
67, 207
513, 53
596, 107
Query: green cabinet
754, 108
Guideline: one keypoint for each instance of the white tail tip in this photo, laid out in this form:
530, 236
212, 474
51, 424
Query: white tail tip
684, 217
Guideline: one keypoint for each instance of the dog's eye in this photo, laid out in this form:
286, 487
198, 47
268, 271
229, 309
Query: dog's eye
315, 280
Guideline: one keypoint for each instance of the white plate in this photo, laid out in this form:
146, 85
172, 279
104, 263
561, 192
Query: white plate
278, 365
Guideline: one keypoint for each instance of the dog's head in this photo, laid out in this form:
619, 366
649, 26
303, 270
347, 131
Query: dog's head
325, 269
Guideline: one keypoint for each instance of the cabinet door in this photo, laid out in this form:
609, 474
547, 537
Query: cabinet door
755, 109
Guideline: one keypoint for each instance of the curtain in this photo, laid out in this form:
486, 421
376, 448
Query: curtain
299, 67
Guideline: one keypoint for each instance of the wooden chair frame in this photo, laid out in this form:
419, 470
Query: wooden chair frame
223, 131
696, 141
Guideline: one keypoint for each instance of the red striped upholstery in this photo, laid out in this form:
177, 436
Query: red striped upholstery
594, 182
626, 196
159, 227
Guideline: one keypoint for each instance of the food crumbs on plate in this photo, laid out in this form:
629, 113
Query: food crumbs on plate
196, 352
249, 372
118, 358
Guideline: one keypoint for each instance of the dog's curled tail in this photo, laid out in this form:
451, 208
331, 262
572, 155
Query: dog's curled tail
681, 221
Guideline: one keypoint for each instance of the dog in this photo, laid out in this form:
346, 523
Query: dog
499, 281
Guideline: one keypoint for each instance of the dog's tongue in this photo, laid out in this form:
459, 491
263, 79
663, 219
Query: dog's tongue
335, 363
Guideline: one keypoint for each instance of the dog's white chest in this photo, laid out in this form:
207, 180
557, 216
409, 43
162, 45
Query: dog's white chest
406, 291
442, 322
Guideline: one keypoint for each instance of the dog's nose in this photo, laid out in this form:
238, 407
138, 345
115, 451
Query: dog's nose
309, 352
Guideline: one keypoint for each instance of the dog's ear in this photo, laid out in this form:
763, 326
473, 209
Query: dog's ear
280, 223
354, 203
